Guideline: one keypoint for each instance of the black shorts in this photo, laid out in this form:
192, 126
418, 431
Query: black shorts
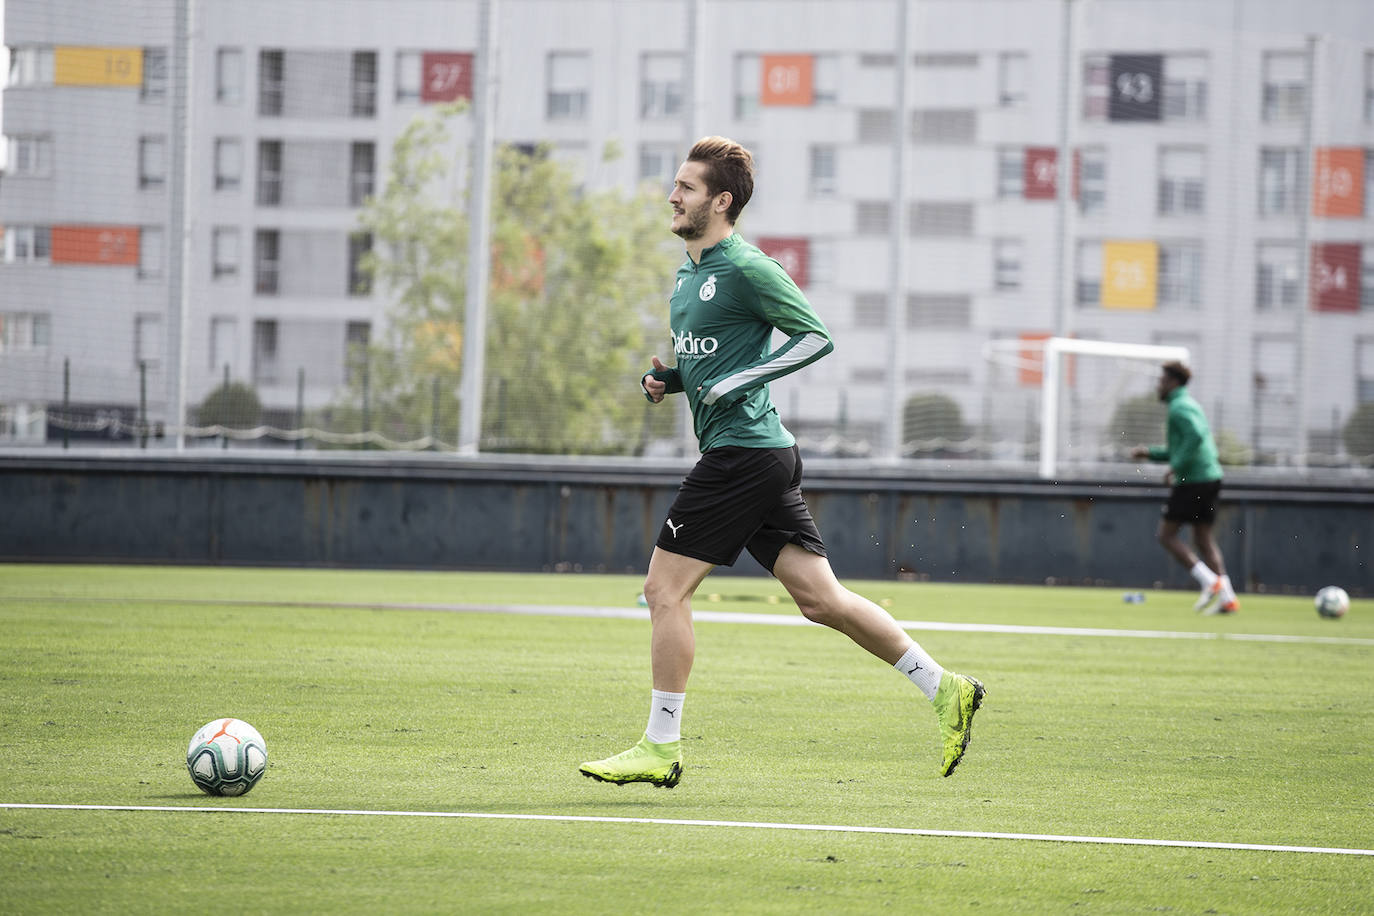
741, 497
1194, 503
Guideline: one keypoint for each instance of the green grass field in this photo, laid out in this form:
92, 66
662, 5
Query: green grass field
368, 705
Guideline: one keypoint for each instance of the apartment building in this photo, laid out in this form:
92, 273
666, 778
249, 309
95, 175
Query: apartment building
1214, 156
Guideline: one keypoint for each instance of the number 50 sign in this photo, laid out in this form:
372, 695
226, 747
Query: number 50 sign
786, 79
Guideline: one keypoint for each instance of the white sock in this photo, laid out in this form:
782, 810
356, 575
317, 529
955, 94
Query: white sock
921, 669
1204, 576
1228, 594
665, 717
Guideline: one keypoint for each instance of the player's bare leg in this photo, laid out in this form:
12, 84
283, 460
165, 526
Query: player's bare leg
811, 582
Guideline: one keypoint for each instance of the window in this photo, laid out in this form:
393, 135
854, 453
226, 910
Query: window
822, 170
30, 155
1276, 276
229, 76
1368, 90
1278, 180
265, 367
1006, 264
569, 81
357, 335
1088, 274
925, 310
1180, 189
359, 278
266, 262
1092, 179
872, 217
748, 75
409, 75
870, 310
1097, 88
24, 331
821, 267
1364, 370
31, 66
152, 161
1185, 87
151, 253
658, 163
148, 340
660, 86
362, 169
1284, 94
825, 79
875, 125
228, 163
271, 82
224, 244
223, 332
364, 84
269, 173
1180, 274
154, 74
1011, 171
27, 244
944, 126
949, 218
1013, 72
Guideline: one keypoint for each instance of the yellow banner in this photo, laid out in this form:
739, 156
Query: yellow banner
1130, 272
74, 66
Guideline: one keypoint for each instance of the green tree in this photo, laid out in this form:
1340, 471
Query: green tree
233, 405
579, 284
1137, 421
932, 421
1359, 433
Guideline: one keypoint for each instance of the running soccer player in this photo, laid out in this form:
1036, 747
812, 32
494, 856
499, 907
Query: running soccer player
745, 491
1195, 478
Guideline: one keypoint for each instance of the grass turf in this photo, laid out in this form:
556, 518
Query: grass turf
106, 671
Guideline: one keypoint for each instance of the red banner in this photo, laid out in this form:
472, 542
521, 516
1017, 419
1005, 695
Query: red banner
445, 76
95, 245
1041, 173
1336, 277
794, 254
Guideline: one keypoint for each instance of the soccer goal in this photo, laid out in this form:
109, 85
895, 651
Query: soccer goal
1080, 393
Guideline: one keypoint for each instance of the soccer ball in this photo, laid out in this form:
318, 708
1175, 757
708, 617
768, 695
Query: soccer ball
226, 757
1332, 601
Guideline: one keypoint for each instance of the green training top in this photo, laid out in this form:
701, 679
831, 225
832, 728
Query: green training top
722, 315
1190, 450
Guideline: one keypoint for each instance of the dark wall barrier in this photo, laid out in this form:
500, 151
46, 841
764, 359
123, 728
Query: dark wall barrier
532, 515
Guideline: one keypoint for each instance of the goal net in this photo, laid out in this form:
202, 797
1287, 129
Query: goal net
1067, 402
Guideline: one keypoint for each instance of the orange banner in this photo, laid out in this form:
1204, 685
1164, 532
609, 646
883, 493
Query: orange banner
1338, 182
786, 79
95, 245
1032, 371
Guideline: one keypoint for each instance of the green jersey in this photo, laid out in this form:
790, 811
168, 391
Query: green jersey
1190, 450
723, 311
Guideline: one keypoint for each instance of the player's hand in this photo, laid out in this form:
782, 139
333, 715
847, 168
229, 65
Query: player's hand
1169, 477
652, 386
1140, 451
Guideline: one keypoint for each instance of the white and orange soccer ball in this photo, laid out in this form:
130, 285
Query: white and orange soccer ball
226, 757
1332, 601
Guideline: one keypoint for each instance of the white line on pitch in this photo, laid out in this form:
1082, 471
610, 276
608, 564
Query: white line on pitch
748, 825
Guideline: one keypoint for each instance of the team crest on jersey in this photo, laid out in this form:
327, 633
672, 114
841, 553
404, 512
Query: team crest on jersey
708, 289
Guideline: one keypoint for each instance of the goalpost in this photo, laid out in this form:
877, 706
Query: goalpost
1053, 351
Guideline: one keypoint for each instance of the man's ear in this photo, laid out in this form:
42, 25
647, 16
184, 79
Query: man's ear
723, 201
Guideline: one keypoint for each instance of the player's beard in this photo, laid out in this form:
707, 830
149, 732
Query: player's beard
697, 221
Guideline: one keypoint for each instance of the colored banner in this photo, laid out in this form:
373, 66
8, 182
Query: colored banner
1137, 87
1031, 373
1338, 182
786, 79
1336, 277
1040, 173
95, 245
1130, 272
445, 76
75, 66
794, 254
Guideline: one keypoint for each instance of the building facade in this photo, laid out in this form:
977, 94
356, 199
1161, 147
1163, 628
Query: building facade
1175, 172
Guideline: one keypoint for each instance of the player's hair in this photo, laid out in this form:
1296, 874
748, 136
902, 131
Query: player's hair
1177, 371
729, 167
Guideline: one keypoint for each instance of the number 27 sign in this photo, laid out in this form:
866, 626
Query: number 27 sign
445, 76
